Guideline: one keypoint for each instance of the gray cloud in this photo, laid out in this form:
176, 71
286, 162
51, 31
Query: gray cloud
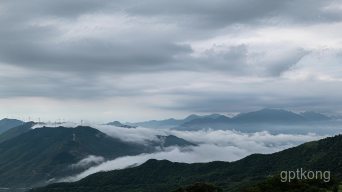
172, 55
245, 97
220, 13
240, 61
89, 161
91, 56
38, 46
39, 8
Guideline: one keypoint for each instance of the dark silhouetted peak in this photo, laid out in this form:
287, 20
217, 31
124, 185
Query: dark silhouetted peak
155, 162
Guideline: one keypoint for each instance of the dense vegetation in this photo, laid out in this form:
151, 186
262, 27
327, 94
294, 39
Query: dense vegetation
274, 184
199, 187
33, 157
45, 153
156, 176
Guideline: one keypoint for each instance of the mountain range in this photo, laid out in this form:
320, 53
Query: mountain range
169, 123
261, 116
156, 176
33, 157
272, 120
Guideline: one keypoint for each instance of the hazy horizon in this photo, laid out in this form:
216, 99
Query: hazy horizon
134, 61
179, 117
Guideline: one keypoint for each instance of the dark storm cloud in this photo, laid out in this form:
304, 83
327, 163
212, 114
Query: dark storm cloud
90, 55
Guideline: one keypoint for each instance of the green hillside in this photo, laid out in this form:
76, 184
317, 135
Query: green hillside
33, 157
45, 153
157, 176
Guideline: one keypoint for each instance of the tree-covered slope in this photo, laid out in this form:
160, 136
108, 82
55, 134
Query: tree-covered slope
45, 153
31, 157
274, 184
156, 176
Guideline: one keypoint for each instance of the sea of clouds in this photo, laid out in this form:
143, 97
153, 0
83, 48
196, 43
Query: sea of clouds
212, 145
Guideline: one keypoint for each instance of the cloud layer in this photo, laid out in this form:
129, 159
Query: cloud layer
213, 145
160, 58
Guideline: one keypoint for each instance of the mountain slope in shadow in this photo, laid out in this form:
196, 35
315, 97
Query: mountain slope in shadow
6, 124
39, 155
156, 176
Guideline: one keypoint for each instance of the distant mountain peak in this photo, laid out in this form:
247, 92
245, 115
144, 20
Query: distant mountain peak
268, 115
172, 122
272, 110
191, 117
119, 124
315, 116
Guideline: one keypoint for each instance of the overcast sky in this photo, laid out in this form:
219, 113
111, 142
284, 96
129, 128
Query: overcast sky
132, 60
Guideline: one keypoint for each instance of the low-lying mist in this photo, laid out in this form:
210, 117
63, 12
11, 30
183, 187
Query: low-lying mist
212, 145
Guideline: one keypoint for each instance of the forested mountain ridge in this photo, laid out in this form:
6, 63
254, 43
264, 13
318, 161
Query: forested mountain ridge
156, 176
